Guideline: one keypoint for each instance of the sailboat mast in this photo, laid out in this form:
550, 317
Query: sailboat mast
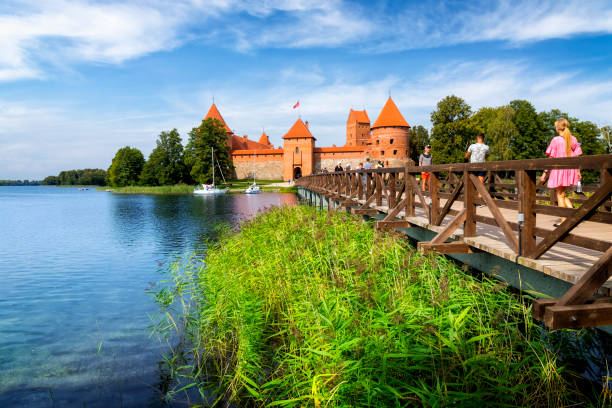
212, 161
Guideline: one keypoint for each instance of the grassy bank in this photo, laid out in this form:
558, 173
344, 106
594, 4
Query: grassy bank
304, 308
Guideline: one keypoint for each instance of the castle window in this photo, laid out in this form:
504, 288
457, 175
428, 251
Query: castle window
377, 141
406, 152
297, 150
395, 152
391, 141
382, 152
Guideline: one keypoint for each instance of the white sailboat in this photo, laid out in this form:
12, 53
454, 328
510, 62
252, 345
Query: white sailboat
209, 189
253, 188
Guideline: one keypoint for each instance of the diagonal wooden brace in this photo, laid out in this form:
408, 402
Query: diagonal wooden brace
497, 214
590, 205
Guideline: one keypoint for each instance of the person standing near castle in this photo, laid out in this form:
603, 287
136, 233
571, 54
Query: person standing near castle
339, 167
564, 145
425, 160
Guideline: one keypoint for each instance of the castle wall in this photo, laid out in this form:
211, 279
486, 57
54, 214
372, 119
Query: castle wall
389, 143
266, 164
328, 158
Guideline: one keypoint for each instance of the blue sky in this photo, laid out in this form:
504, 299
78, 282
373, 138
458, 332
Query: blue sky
80, 79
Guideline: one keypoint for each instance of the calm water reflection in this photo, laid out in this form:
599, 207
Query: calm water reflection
74, 266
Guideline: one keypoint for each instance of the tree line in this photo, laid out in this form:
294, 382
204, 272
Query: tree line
4, 183
169, 163
81, 177
514, 131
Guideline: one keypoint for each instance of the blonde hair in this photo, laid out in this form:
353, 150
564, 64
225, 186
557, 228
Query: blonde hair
562, 126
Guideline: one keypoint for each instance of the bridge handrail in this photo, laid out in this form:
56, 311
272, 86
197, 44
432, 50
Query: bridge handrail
582, 162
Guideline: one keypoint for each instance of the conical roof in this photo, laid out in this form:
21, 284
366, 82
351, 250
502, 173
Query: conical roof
264, 139
298, 130
214, 113
390, 116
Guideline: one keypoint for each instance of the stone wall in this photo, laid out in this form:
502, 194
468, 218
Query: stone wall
266, 166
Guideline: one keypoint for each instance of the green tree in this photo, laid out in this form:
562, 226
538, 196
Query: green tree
497, 124
49, 181
210, 134
588, 135
530, 142
125, 167
452, 131
165, 165
419, 138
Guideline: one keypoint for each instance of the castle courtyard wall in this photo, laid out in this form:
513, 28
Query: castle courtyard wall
266, 164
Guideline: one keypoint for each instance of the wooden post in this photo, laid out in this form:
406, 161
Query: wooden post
469, 193
605, 176
434, 188
409, 195
526, 181
369, 184
378, 186
392, 192
360, 189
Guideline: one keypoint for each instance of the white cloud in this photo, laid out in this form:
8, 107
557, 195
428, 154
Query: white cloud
34, 33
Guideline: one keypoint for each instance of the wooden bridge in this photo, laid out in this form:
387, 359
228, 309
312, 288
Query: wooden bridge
510, 216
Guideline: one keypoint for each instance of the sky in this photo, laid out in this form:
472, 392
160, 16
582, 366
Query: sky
81, 79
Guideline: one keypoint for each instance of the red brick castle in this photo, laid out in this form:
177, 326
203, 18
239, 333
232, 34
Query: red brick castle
387, 140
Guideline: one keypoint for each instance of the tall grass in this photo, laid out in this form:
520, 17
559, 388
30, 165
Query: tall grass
302, 308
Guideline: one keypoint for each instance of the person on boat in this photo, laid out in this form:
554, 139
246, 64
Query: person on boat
563, 145
425, 160
338, 167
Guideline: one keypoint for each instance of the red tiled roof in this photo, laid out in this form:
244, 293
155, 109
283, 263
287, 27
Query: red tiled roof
258, 151
339, 149
390, 116
358, 116
264, 139
214, 113
243, 143
298, 130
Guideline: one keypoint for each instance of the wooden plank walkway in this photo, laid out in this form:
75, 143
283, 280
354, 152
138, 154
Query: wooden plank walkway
562, 261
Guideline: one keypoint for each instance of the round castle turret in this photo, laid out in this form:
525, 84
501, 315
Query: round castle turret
390, 139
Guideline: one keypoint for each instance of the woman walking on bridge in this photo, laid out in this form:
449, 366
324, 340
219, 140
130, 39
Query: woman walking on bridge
564, 145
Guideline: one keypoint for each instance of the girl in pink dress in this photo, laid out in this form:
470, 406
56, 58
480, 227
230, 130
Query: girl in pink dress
564, 145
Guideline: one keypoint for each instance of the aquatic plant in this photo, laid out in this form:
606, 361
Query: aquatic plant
303, 308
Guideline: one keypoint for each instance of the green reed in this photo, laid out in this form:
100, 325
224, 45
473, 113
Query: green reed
303, 308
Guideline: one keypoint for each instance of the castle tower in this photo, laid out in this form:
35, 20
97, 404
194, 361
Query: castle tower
214, 113
265, 140
357, 128
390, 136
298, 148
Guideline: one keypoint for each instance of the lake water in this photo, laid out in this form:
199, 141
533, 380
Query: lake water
74, 271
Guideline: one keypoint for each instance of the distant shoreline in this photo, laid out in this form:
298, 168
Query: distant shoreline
235, 187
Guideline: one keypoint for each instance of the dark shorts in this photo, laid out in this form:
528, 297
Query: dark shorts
480, 173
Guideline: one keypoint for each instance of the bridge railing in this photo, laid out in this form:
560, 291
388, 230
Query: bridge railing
398, 189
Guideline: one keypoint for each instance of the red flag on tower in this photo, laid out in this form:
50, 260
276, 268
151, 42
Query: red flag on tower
296, 104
